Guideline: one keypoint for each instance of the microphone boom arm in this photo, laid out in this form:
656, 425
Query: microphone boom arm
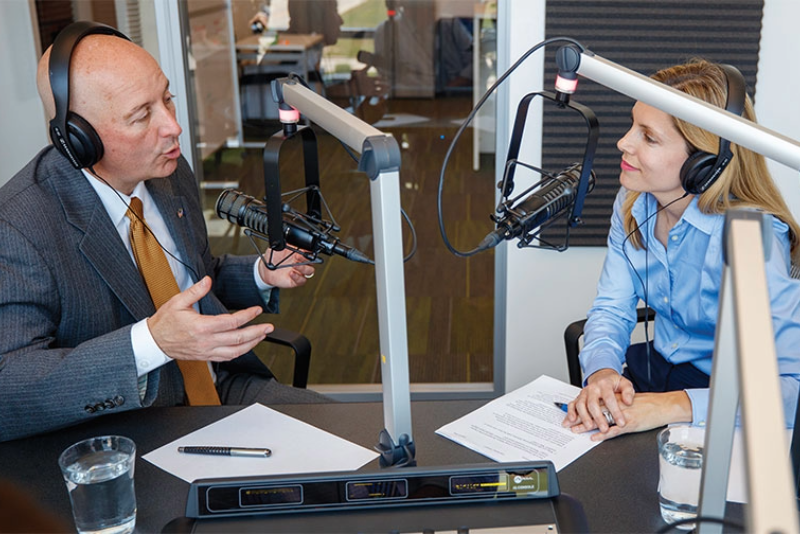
380, 160
725, 124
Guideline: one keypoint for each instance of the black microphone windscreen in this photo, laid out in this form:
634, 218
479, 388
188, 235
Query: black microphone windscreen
243, 210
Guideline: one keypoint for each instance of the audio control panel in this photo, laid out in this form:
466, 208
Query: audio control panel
387, 488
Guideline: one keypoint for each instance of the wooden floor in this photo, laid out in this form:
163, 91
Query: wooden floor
449, 299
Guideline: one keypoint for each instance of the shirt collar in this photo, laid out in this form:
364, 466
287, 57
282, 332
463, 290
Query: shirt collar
110, 197
646, 205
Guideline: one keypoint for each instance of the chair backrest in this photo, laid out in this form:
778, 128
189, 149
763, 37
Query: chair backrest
572, 344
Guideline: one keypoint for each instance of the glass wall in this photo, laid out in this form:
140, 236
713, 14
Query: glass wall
410, 68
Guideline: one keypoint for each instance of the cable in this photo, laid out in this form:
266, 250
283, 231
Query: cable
141, 220
466, 122
646, 270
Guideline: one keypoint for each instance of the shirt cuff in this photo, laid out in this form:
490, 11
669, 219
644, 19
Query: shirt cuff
146, 352
699, 400
598, 361
264, 288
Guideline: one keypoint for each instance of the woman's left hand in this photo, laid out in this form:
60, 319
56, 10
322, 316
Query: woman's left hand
648, 411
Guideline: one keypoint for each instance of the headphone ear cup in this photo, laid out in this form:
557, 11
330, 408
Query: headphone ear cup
84, 140
695, 169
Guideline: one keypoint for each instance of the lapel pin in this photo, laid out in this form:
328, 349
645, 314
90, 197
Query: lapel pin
180, 213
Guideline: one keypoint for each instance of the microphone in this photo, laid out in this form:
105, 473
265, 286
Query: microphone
248, 212
545, 204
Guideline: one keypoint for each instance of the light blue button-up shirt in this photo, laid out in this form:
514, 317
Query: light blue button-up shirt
683, 283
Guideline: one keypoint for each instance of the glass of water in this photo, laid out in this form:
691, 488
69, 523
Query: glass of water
680, 449
99, 476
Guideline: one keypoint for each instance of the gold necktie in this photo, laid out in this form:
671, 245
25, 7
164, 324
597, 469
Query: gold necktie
162, 286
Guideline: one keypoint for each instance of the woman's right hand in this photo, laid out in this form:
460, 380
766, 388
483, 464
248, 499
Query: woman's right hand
602, 390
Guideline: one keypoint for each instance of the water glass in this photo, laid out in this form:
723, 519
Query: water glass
99, 476
680, 449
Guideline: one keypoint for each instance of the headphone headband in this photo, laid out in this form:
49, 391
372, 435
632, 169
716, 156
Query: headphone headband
734, 103
702, 169
60, 57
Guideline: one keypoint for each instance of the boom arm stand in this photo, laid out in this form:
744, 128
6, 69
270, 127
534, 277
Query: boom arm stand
380, 160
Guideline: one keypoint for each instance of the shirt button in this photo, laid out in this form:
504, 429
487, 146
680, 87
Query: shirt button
144, 364
674, 345
666, 300
674, 238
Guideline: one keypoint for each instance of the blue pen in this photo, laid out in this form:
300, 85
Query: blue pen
609, 418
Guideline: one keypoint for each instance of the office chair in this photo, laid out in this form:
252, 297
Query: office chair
572, 336
302, 353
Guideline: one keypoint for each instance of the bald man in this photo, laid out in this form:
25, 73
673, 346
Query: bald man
80, 334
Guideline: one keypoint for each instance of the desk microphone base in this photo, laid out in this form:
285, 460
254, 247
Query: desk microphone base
401, 455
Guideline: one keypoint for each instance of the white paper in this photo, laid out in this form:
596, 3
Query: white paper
297, 447
523, 425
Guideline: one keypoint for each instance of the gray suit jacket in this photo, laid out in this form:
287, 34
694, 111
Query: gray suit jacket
69, 294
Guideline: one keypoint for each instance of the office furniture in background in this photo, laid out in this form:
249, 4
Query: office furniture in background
259, 62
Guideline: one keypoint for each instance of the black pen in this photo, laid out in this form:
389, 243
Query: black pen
609, 418
228, 451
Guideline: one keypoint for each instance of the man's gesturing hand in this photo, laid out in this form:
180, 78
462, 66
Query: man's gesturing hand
184, 334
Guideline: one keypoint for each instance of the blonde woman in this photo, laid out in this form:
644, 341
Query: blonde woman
665, 248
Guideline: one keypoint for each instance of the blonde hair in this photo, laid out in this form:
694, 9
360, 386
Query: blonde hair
746, 181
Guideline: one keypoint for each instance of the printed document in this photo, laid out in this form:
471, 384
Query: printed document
524, 425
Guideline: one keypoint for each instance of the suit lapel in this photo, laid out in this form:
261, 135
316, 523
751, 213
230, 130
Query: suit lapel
100, 244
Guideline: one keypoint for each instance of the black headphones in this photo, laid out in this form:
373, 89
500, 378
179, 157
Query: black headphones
701, 169
72, 135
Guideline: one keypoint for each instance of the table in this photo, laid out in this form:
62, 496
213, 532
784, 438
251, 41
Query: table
615, 482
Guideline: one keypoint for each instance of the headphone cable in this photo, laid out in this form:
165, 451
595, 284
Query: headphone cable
141, 220
645, 282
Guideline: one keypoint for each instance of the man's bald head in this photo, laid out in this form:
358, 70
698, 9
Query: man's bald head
120, 90
99, 63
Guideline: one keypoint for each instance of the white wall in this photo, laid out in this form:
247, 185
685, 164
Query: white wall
23, 131
24, 125
547, 290
779, 85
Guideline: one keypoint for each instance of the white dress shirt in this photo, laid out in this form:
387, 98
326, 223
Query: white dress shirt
146, 351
